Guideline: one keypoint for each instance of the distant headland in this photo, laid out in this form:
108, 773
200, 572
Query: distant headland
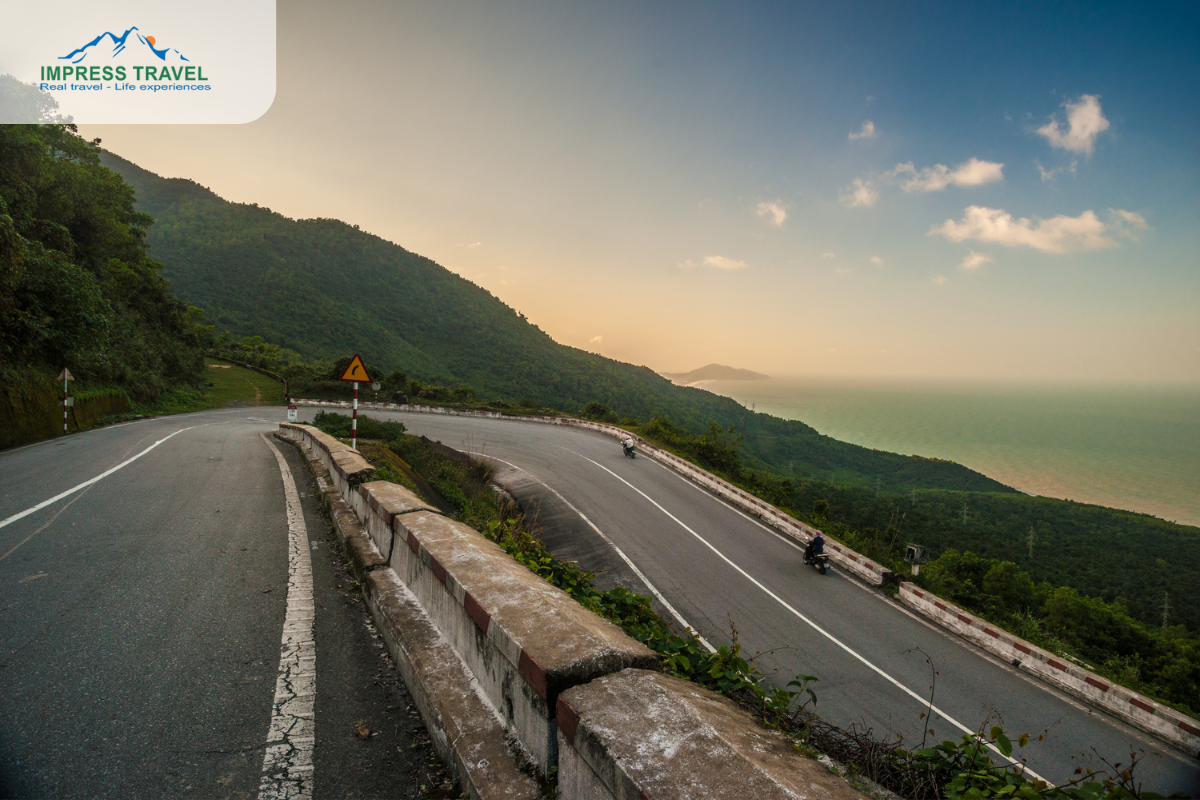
714, 372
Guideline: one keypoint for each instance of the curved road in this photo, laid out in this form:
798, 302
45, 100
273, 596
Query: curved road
720, 569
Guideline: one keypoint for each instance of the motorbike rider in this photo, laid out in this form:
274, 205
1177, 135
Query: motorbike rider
627, 444
815, 547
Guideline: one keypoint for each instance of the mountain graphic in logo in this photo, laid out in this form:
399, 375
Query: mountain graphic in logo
131, 42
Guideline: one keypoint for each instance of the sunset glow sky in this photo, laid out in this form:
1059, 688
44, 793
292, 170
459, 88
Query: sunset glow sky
876, 189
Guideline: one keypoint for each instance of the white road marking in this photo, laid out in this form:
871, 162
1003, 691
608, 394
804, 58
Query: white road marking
653, 589
50, 522
88, 483
288, 762
923, 701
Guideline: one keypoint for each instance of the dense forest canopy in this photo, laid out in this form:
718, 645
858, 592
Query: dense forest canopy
326, 289
77, 287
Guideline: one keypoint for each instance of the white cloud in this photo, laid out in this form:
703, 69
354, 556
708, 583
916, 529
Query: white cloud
773, 212
1127, 223
472, 245
1060, 234
933, 179
843, 270
596, 340
718, 262
861, 194
829, 254
877, 261
721, 262
867, 131
940, 280
974, 261
1050, 174
1085, 121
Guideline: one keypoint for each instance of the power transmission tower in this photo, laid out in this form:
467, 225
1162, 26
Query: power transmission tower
877, 487
1166, 608
914, 497
1032, 536
964, 513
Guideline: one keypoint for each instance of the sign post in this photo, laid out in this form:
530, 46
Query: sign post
64, 377
356, 371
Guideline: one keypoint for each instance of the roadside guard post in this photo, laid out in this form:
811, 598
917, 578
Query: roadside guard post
356, 371
68, 401
292, 415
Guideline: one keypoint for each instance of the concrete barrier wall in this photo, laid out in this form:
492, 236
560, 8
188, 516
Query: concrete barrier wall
523, 640
489, 648
1142, 712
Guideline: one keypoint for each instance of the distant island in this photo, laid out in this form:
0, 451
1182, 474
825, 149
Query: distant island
715, 372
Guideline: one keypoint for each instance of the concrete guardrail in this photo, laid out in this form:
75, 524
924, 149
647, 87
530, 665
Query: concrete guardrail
506, 669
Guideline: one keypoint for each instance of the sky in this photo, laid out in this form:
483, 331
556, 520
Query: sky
989, 190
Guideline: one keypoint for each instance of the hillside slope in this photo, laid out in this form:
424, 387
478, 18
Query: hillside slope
326, 289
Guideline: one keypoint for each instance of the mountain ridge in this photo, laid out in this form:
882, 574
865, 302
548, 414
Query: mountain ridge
326, 289
715, 372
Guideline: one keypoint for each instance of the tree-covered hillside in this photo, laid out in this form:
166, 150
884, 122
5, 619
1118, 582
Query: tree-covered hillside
77, 288
326, 289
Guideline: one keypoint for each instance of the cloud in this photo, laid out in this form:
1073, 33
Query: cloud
877, 261
974, 261
1050, 174
717, 262
774, 212
843, 270
1060, 234
1127, 223
472, 245
596, 340
861, 194
829, 254
933, 179
940, 280
1085, 121
867, 132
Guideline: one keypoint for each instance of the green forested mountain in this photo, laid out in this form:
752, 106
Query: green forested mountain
326, 289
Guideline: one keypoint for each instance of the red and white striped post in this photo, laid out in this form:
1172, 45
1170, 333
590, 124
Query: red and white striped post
354, 420
64, 377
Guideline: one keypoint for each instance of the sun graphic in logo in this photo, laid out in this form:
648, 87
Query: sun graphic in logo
150, 39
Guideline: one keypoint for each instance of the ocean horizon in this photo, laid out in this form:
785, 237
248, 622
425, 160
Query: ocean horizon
1122, 445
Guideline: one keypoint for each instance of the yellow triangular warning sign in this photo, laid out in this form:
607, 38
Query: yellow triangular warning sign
356, 371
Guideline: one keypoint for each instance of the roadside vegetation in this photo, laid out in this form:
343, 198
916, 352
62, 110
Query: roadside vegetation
462, 485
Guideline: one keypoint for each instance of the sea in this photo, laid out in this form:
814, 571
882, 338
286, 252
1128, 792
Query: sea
1129, 446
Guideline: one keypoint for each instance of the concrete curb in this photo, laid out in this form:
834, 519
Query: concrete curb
1161, 721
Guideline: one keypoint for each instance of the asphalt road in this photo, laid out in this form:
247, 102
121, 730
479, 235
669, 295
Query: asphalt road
141, 619
721, 570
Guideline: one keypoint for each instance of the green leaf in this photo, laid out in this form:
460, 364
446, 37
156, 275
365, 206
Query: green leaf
1004, 745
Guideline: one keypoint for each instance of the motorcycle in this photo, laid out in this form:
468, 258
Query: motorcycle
627, 448
818, 561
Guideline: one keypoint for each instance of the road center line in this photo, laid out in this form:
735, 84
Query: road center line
923, 701
653, 590
288, 762
88, 483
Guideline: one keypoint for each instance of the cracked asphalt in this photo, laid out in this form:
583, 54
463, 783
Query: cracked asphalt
141, 617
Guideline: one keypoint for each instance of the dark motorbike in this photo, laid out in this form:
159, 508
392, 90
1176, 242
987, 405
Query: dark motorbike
819, 562
627, 448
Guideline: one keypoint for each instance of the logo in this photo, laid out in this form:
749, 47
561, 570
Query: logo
132, 55
137, 62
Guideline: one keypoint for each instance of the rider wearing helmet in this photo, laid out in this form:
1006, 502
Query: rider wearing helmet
815, 547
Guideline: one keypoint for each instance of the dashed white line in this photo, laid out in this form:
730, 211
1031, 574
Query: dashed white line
288, 762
